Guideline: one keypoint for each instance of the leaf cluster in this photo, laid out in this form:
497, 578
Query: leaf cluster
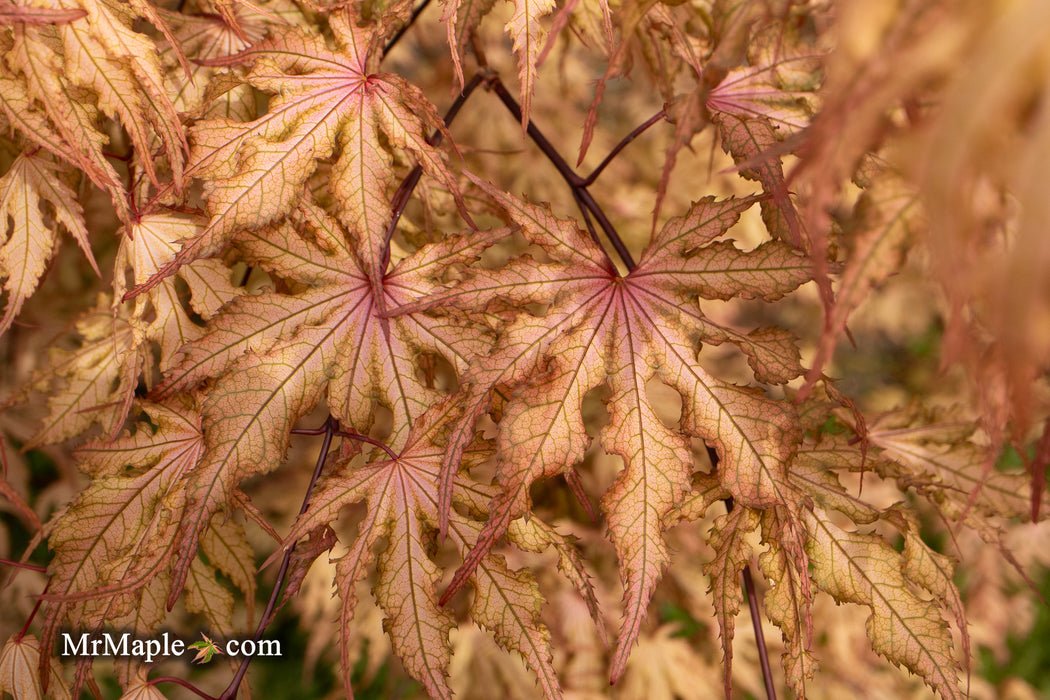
299, 237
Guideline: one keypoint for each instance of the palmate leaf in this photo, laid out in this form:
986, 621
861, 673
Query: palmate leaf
59, 78
326, 101
115, 545
95, 382
117, 537
402, 507
272, 356
601, 327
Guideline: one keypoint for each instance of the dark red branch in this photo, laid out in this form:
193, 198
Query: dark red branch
577, 183
408, 25
638, 131
760, 638
185, 684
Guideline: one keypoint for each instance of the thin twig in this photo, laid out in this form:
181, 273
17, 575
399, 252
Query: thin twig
577, 183
408, 185
331, 427
638, 131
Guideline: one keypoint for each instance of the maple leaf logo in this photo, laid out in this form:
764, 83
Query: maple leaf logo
206, 649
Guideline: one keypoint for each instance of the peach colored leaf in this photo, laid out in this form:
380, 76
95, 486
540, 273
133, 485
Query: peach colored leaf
95, 382
905, 628
886, 216
19, 661
939, 457
753, 143
102, 52
784, 604
118, 535
462, 18
150, 243
209, 37
54, 113
140, 689
325, 102
273, 356
206, 596
625, 331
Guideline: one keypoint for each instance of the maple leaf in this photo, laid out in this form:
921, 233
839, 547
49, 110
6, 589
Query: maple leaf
273, 355
117, 537
325, 101
205, 650
903, 627
402, 506
19, 660
886, 217
624, 330
29, 241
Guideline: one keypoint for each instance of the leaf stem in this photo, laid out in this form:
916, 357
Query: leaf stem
331, 427
20, 565
364, 438
185, 684
577, 183
39, 600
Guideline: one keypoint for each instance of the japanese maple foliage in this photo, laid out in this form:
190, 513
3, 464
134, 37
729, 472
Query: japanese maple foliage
291, 234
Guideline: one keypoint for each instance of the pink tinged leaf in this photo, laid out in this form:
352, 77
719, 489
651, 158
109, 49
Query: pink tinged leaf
903, 627
528, 36
655, 479
247, 417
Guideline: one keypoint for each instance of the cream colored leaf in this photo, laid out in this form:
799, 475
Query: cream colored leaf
903, 627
